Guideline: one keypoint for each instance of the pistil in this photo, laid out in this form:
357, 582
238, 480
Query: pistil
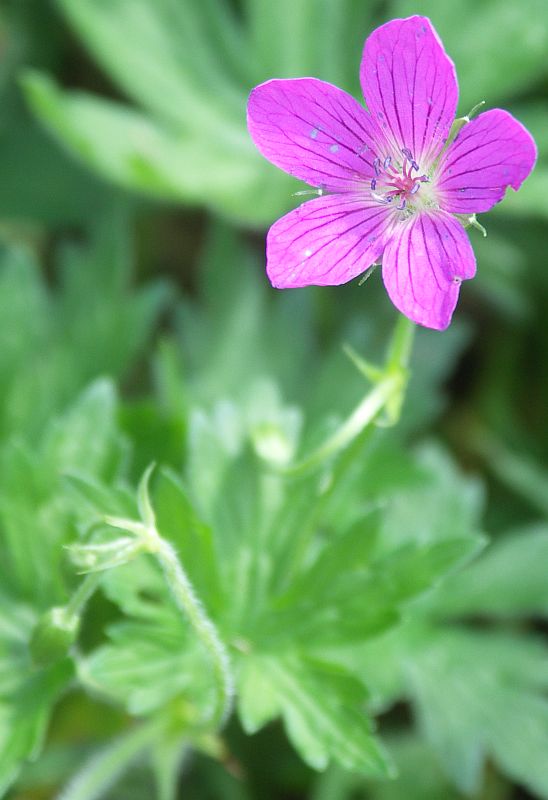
393, 182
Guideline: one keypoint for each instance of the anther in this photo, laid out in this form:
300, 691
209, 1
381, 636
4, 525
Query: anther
373, 184
407, 153
401, 205
376, 165
415, 188
415, 166
387, 162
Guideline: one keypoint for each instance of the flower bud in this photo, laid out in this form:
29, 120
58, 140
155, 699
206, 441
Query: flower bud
55, 632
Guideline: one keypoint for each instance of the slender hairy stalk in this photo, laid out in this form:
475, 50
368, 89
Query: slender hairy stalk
186, 599
387, 395
184, 596
79, 599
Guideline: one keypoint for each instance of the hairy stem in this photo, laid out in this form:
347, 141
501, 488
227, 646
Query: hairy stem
187, 601
387, 395
79, 599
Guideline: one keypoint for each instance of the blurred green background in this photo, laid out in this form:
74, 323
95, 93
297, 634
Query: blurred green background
133, 210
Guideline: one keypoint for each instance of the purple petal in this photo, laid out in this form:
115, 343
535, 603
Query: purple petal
314, 131
423, 266
327, 241
490, 153
410, 87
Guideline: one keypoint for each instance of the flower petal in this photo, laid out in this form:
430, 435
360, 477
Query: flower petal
423, 266
490, 153
410, 87
327, 241
314, 131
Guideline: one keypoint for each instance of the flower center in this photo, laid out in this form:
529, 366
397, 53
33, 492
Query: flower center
395, 182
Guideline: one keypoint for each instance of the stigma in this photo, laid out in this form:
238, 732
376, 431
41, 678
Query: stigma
397, 182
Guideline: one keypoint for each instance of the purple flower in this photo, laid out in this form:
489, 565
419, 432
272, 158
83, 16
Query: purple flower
387, 186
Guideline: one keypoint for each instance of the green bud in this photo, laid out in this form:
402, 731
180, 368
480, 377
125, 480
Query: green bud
55, 632
107, 555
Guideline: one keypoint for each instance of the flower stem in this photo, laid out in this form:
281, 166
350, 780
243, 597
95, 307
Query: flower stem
187, 601
362, 416
79, 599
183, 593
387, 394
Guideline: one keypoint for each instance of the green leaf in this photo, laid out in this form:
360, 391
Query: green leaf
106, 767
182, 80
340, 555
178, 521
87, 434
139, 591
41, 367
509, 580
148, 665
320, 705
448, 506
95, 499
320, 39
414, 568
137, 152
258, 701
151, 657
33, 527
419, 774
129, 148
479, 695
17, 621
355, 605
24, 718
40, 182
419, 777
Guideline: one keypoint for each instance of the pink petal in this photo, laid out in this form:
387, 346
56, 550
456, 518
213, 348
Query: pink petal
314, 131
327, 241
410, 87
423, 266
490, 153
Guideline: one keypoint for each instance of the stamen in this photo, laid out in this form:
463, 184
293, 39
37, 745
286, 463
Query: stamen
385, 200
396, 183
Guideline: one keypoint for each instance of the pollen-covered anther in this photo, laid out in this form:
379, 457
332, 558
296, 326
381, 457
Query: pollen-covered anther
395, 181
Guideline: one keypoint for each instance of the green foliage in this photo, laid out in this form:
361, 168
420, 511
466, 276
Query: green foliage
319, 704
335, 591
24, 717
344, 594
